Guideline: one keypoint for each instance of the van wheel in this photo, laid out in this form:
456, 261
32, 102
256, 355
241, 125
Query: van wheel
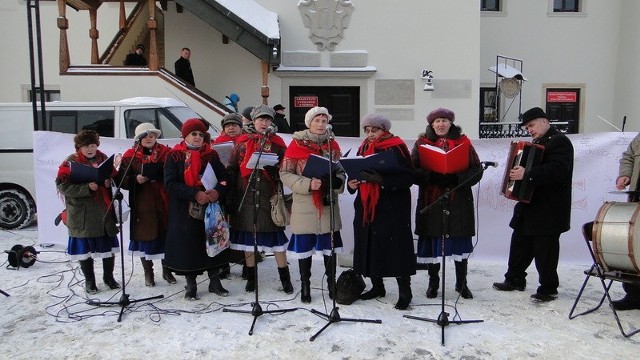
17, 209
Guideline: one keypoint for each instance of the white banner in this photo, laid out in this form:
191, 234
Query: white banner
595, 171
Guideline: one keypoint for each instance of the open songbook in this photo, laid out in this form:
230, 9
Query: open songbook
318, 167
224, 151
82, 174
384, 163
266, 159
154, 171
435, 159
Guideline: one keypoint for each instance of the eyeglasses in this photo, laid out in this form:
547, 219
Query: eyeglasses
371, 130
197, 133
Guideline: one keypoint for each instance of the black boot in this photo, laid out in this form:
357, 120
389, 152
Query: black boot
434, 280
285, 279
305, 279
329, 270
215, 286
191, 289
147, 265
404, 292
251, 279
167, 275
89, 276
461, 279
107, 267
376, 291
244, 272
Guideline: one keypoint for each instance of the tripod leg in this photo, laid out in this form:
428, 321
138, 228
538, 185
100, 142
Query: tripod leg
329, 270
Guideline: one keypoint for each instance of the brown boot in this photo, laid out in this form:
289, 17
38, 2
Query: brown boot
147, 265
167, 275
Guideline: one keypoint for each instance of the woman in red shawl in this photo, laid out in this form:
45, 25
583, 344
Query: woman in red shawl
310, 220
90, 216
142, 173
383, 244
186, 245
269, 236
443, 133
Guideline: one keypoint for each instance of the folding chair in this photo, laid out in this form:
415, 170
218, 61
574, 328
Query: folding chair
606, 277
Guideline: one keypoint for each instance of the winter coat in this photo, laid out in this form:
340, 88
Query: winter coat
630, 163
148, 201
185, 251
384, 247
432, 185
183, 70
305, 216
281, 122
549, 212
266, 182
86, 209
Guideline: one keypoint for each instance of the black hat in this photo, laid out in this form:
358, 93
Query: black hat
140, 46
278, 107
247, 112
532, 114
232, 118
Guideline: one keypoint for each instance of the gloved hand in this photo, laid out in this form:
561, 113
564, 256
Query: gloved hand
371, 176
273, 171
421, 176
202, 198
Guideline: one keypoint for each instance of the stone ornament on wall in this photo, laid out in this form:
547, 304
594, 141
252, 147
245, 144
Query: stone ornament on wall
326, 20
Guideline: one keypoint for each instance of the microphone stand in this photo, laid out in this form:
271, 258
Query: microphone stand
443, 318
334, 316
256, 309
124, 298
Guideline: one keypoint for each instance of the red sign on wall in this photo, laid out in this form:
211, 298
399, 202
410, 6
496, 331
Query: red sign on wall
305, 101
562, 96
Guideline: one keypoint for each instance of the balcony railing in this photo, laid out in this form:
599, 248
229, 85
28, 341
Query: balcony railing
492, 130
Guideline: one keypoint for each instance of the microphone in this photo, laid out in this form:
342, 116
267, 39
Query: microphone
329, 128
272, 129
142, 135
486, 164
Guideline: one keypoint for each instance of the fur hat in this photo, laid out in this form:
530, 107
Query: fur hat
532, 114
376, 120
193, 125
86, 137
315, 111
145, 128
233, 118
247, 112
441, 113
262, 110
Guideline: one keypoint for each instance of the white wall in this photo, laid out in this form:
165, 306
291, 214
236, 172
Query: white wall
627, 76
560, 50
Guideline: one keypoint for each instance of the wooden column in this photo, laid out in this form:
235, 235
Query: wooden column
94, 35
63, 25
122, 18
264, 91
152, 25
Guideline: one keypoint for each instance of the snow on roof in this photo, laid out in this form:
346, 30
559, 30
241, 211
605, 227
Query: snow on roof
255, 15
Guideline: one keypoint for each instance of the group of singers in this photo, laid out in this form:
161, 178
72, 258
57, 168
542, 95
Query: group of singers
167, 214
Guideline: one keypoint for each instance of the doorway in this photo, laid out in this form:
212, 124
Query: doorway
563, 105
343, 103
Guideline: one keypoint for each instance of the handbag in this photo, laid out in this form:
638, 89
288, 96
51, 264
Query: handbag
216, 229
348, 287
196, 210
280, 214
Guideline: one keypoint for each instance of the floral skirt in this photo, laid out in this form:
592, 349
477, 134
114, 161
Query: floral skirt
430, 249
95, 247
150, 250
305, 245
275, 241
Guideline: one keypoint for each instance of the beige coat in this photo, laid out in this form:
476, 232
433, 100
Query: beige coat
304, 215
630, 162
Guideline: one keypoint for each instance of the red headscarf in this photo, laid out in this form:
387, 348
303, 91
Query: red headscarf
251, 142
193, 161
370, 193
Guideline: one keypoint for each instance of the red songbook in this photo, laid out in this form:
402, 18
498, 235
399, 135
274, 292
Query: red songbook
435, 159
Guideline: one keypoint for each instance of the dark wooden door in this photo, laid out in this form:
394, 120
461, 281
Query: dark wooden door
563, 105
343, 103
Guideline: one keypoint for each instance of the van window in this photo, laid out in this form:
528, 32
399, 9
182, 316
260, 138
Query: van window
71, 122
135, 117
168, 127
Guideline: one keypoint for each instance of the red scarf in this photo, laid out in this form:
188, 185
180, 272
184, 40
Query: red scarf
433, 192
224, 138
103, 195
370, 193
251, 142
159, 153
300, 150
193, 161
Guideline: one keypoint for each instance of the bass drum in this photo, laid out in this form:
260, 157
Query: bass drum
616, 237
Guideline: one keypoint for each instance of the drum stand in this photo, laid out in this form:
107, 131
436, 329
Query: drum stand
443, 318
597, 271
256, 309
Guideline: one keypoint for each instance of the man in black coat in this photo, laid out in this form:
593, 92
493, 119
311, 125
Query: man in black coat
280, 120
183, 67
537, 225
136, 58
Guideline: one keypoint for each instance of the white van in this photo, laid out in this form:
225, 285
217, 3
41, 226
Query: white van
110, 119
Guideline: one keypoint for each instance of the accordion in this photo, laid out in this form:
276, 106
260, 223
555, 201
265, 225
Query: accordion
525, 154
